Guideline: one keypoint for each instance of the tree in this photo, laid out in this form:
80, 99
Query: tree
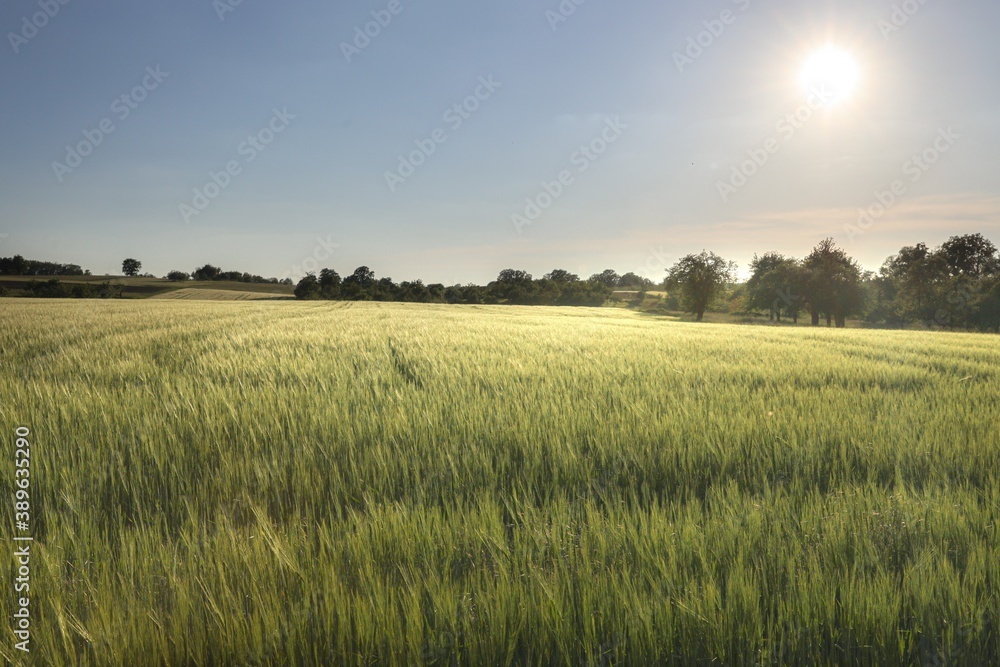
916, 281
308, 288
178, 276
384, 289
415, 291
562, 276
608, 278
359, 286
700, 279
329, 283
362, 276
986, 307
774, 285
207, 272
587, 293
131, 267
513, 285
19, 266
970, 256
832, 284
634, 280
14, 266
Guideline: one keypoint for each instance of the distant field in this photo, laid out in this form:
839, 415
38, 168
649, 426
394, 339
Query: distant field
140, 288
385, 484
205, 294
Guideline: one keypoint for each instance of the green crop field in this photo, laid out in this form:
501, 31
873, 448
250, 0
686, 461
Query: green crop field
242, 483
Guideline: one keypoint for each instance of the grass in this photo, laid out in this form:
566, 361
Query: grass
369, 484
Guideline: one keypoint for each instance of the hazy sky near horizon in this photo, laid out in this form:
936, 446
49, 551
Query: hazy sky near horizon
121, 120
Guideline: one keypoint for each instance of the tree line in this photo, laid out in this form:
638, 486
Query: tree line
214, 273
19, 266
955, 285
512, 286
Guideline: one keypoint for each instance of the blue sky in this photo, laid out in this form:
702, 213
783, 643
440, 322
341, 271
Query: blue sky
662, 134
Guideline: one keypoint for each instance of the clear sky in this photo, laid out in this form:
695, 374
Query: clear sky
309, 115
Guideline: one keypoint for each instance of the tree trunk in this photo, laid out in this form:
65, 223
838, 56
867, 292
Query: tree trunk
701, 315
815, 318
829, 320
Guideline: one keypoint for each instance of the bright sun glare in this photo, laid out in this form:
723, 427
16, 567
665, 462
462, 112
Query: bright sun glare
830, 74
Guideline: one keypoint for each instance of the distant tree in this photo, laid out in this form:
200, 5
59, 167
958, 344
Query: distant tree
700, 279
360, 285
513, 286
608, 278
363, 276
986, 307
178, 276
207, 272
415, 292
587, 293
562, 276
131, 267
832, 284
435, 292
970, 256
634, 281
49, 289
308, 288
384, 289
19, 266
466, 294
109, 290
329, 283
774, 285
913, 284
15, 266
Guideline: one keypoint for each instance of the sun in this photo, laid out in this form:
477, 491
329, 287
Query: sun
830, 75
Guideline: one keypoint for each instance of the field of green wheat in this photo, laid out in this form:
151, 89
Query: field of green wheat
376, 484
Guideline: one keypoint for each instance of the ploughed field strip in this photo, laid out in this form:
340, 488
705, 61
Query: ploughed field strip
364, 483
201, 294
